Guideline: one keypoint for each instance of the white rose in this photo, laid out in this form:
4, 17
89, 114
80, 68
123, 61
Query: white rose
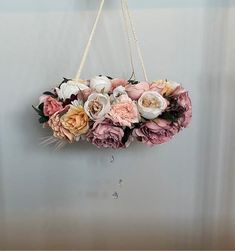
97, 106
151, 104
100, 84
69, 88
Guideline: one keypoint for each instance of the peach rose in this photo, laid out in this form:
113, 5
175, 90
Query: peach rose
51, 106
58, 130
164, 87
135, 91
75, 120
118, 82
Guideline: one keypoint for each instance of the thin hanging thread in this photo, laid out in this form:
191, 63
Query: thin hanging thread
135, 39
89, 41
128, 39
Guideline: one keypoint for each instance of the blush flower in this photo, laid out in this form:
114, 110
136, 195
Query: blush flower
154, 132
59, 131
135, 91
106, 134
51, 106
124, 111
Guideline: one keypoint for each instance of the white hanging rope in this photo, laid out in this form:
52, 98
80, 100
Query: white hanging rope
126, 15
135, 39
84, 57
125, 18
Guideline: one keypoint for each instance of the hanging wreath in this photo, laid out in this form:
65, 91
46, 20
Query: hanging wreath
112, 112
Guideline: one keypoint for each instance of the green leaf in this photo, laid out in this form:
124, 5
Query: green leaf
171, 116
43, 119
40, 107
133, 82
109, 77
64, 81
39, 112
127, 133
49, 94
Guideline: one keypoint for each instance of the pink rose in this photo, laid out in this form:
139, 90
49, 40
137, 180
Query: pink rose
135, 91
51, 106
155, 132
105, 134
183, 100
118, 82
124, 113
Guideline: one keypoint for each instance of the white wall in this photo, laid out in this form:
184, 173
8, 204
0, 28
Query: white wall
179, 195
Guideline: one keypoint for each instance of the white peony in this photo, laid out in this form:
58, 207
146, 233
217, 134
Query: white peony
97, 106
101, 84
71, 87
151, 104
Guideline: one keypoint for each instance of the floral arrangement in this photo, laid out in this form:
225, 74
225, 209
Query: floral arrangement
112, 112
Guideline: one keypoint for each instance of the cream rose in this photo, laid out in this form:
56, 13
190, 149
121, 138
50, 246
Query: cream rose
71, 87
101, 84
97, 106
151, 104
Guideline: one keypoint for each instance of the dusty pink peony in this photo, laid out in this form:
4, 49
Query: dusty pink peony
118, 82
155, 132
82, 95
86, 93
51, 106
106, 134
124, 113
183, 101
135, 91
